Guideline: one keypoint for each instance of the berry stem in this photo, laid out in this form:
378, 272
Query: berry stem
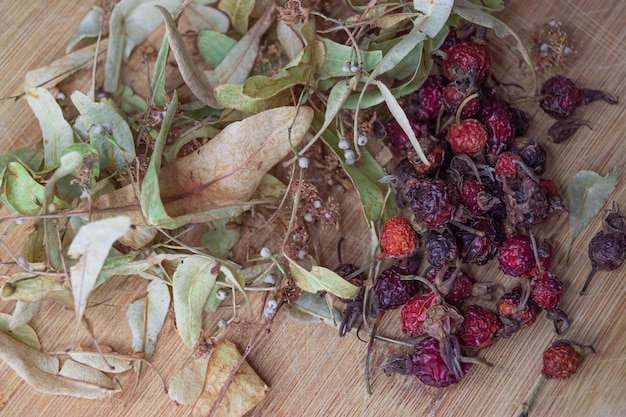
588, 281
533, 395
467, 228
370, 344
536, 253
462, 106
524, 298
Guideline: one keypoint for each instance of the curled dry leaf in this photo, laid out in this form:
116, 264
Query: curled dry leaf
41, 372
245, 391
186, 385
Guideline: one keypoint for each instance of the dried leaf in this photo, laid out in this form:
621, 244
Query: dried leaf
221, 237
321, 279
245, 391
238, 11
22, 194
89, 27
41, 372
23, 313
22, 333
92, 244
214, 46
157, 85
434, 17
187, 383
193, 280
289, 39
588, 191
207, 18
337, 55
312, 309
146, 317
106, 362
57, 132
32, 287
86, 373
232, 96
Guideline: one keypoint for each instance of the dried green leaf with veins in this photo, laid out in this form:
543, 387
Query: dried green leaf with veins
321, 279
89, 27
146, 317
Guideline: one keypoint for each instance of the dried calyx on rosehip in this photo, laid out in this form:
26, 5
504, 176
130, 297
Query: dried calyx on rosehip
516, 311
607, 249
546, 291
455, 285
560, 361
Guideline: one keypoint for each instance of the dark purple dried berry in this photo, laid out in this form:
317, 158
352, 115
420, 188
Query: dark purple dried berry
440, 248
560, 97
480, 245
519, 120
500, 130
565, 129
532, 153
392, 291
433, 201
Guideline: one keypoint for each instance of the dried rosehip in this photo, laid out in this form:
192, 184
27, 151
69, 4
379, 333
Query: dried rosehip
500, 130
453, 284
435, 151
532, 153
467, 137
516, 256
413, 313
396, 137
506, 165
512, 316
429, 366
479, 328
467, 63
546, 291
475, 198
398, 239
426, 101
544, 252
607, 249
392, 291
452, 98
560, 97
519, 120
440, 248
526, 204
564, 129
479, 248
433, 201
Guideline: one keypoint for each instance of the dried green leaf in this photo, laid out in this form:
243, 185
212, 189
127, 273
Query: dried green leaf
337, 55
193, 280
388, 21
232, 96
86, 373
233, 277
312, 309
157, 86
214, 46
33, 249
434, 17
117, 148
50, 75
238, 11
23, 194
23, 313
321, 279
41, 372
31, 287
21, 332
289, 39
92, 244
57, 132
221, 237
89, 27
187, 383
147, 315
202, 132
108, 362
245, 391
207, 18
588, 192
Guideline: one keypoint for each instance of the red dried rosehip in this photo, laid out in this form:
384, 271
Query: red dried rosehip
429, 366
435, 151
456, 291
560, 362
500, 130
507, 305
468, 137
426, 101
398, 238
516, 256
467, 63
452, 98
473, 196
413, 313
396, 137
433, 201
546, 291
506, 165
479, 328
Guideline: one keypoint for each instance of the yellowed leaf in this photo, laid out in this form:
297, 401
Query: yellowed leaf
246, 390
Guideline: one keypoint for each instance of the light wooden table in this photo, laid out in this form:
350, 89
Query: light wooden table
311, 371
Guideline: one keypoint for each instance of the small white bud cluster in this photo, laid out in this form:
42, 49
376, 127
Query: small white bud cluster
270, 308
269, 279
265, 252
351, 67
221, 295
303, 162
350, 156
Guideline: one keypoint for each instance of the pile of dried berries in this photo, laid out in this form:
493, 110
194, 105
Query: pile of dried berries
476, 201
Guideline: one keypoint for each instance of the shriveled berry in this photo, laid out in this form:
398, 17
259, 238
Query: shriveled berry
435, 151
468, 137
396, 137
560, 97
473, 197
413, 313
398, 239
467, 63
433, 201
479, 328
455, 285
546, 291
560, 362
426, 101
509, 302
477, 249
506, 165
519, 120
544, 252
500, 129
532, 153
392, 291
428, 365
452, 98
440, 248
516, 256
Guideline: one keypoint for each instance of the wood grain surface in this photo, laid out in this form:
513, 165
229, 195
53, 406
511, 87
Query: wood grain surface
310, 370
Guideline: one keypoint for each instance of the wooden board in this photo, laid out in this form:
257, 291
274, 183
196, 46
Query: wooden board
311, 371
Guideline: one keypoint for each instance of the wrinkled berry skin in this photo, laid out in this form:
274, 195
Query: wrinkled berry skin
560, 97
477, 249
460, 290
532, 153
440, 248
607, 250
546, 291
500, 129
396, 137
391, 291
519, 120
509, 302
560, 362
413, 313
426, 101
467, 62
468, 137
427, 364
398, 239
471, 191
516, 256
433, 201
479, 328
506, 165
452, 98
436, 153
